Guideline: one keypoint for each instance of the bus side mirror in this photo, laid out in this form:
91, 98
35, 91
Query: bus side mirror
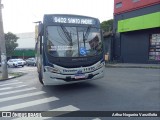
40, 29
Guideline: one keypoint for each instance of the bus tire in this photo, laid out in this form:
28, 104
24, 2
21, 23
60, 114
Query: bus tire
40, 77
14, 65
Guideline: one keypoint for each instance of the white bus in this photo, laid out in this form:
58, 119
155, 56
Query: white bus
69, 49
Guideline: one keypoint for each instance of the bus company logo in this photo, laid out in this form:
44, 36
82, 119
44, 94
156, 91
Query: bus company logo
69, 71
79, 59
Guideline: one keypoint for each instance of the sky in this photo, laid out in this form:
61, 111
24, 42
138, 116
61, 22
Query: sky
19, 15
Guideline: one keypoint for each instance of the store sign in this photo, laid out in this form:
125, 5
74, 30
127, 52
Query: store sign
74, 20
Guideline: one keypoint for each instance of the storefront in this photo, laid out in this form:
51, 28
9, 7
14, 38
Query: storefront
141, 46
137, 35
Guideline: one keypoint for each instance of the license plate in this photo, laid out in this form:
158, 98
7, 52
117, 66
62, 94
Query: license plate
79, 76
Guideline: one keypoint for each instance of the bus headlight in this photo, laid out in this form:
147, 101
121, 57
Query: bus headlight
53, 70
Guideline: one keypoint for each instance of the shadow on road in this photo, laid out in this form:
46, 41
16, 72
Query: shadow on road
71, 87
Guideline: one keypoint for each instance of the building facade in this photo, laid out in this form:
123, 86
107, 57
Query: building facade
136, 31
26, 45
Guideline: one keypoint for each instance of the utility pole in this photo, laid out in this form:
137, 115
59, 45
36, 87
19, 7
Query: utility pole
3, 47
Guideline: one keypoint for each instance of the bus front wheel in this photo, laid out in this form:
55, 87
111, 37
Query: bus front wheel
40, 76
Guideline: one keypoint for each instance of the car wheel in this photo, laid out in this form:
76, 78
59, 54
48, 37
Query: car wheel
14, 65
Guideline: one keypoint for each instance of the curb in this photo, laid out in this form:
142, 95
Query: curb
119, 66
20, 74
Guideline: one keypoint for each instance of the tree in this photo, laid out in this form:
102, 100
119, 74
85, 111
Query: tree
11, 44
107, 26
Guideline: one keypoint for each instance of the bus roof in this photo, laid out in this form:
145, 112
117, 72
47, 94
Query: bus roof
57, 19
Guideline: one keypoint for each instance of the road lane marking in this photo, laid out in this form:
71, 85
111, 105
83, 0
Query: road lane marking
10, 83
22, 96
19, 86
16, 91
8, 88
96, 119
65, 109
3, 82
28, 104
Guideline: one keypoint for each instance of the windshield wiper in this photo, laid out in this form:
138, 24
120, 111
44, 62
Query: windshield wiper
68, 36
85, 36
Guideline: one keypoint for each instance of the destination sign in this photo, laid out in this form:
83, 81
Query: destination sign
74, 20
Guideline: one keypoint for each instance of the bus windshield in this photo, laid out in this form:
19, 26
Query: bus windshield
76, 41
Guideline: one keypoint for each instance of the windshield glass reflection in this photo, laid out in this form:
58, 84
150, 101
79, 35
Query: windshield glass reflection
73, 41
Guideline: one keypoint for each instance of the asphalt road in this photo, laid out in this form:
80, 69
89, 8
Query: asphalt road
122, 89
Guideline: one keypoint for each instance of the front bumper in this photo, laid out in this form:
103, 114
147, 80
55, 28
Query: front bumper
59, 79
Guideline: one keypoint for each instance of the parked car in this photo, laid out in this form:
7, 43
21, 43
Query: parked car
31, 61
24, 62
15, 63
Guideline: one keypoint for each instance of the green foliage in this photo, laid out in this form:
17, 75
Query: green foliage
107, 26
11, 44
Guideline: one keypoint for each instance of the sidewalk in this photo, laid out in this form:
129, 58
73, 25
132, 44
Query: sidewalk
132, 65
12, 75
